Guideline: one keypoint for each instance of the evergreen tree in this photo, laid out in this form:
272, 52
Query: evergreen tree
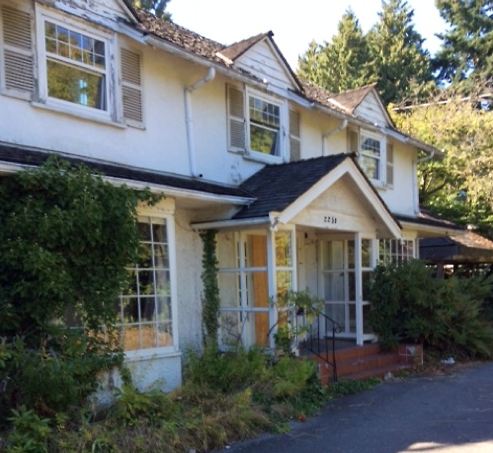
311, 65
467, 46
156, 7
341, 64
396, 48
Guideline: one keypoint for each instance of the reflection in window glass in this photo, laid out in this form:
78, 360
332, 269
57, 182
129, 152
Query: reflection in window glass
145, 304
76, 67
265, 121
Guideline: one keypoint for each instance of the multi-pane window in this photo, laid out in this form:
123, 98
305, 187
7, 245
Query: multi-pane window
396, 251
265, 124
145, 308
369, 157
76, 66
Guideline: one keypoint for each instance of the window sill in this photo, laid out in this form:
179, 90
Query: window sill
80, 115
151, 354
262, 158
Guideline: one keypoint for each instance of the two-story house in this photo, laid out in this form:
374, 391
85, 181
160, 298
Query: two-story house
305, 189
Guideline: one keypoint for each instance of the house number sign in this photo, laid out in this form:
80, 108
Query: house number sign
330, 219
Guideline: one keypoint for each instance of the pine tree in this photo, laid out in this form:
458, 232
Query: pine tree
311, 65
396, 48
341, 64
467, 46
156, 7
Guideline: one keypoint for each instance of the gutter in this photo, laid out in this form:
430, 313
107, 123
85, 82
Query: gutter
231, 223
189, 119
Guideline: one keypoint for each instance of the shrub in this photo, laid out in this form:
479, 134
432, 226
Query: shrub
408, 304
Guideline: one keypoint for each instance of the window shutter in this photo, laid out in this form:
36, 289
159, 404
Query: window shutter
353, 139
131, 86
236, 118
18, 56
390, 164
294, 136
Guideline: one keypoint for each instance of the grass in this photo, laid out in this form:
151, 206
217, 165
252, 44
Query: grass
224, 398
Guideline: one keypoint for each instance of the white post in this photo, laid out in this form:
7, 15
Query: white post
359, 289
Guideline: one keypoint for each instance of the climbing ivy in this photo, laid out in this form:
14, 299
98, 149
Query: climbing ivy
211, 301
66, 239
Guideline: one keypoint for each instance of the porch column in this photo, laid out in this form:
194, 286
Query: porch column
272, 285
358, 281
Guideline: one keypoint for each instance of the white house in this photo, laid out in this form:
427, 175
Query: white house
305, 189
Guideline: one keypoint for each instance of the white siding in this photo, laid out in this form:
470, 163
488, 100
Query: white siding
372, 110
263, 61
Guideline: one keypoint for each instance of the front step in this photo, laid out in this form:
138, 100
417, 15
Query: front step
361, 362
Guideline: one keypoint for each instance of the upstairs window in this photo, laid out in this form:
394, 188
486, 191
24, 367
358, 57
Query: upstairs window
258, 125
374, 154
265, 125
76, 66
369, 156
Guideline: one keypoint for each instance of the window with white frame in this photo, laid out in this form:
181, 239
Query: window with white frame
76, 66
74, 58
375, 155
396, 251
145, 309
257, 124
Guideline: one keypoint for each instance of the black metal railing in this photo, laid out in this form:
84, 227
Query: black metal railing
318, 335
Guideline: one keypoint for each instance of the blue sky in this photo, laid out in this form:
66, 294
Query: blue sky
228, 21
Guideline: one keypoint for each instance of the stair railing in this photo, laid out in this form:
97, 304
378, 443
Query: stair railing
319, 336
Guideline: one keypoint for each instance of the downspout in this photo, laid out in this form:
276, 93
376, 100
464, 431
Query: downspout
189, 119
325, 136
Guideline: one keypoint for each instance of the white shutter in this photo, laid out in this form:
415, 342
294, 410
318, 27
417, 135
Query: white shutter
294, 136
353, 141
236, 119
18, 56
131, 86
390, 164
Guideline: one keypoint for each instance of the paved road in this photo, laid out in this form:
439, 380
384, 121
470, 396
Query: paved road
450, 413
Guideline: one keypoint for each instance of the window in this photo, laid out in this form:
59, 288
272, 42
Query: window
246, 312
375, 156
76, 66
257, 123
369, 157
145, 307
396, 251
74, 71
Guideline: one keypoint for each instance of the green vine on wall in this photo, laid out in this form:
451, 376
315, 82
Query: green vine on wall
67, 237
211, 300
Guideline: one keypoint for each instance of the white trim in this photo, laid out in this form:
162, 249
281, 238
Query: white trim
346, 167
44, 14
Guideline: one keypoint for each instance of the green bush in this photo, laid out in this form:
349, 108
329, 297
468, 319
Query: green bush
408, 304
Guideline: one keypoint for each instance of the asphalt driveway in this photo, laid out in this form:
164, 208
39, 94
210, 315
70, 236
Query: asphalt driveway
450, 413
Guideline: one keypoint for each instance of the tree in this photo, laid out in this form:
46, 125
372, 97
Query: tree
396, 48
460, 188
391, 54
156, 7
341, 64
467, 47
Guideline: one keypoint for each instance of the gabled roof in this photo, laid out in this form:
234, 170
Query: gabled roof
351, 99
33, 157
237, 49
275, 187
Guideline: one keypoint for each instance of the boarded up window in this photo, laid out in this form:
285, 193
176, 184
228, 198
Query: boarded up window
18, 58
